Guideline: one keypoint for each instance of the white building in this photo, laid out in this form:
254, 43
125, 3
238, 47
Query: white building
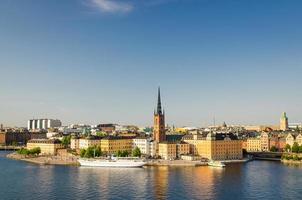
146, 145
84, 143
34, 124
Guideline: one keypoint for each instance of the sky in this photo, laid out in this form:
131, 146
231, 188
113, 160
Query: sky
101, 61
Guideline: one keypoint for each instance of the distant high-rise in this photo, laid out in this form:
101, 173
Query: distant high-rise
34, 124
159, 132
284, 122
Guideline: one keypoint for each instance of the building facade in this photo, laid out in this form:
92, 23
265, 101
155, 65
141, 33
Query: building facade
48, 147
34, 124
112, 144
173, 150
159, 132
146, 145
284, 122
253, 145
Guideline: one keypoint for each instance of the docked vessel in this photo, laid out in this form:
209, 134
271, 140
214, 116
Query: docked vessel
216, 164
124, 163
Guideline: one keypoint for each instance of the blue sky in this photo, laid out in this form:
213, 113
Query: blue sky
92, 61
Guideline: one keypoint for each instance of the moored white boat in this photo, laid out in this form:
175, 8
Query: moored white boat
124, 163
216, 164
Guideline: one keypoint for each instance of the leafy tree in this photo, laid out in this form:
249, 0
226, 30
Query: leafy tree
101, 134
295, 148
136, 152
91, 152
287, 148
82, 153
295, 158
35, 151
122, 153
66, 141
119, 153
300, 149
273, 149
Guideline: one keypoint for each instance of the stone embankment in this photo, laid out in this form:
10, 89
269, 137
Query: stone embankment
46, 160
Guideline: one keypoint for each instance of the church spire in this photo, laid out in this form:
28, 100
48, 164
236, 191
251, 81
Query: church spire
159, 110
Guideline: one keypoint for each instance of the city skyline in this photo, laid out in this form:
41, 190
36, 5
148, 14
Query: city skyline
92, 61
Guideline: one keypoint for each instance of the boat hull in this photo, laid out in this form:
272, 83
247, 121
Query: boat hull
111, 163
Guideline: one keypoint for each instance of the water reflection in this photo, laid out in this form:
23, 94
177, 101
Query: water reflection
254, 180
161, 181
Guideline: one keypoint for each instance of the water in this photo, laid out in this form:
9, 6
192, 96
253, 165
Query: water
253, 180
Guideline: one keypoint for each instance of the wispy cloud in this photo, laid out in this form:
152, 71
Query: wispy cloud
111, 6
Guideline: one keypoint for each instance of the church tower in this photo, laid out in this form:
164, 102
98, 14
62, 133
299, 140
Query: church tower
284, 122
159, 132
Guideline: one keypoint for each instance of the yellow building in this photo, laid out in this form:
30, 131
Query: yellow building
172, 150
216, 146
84, 143
253, 145
195, 141
48, 147
112, 144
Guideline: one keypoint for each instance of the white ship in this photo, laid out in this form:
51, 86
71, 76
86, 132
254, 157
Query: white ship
116, 162
216, 164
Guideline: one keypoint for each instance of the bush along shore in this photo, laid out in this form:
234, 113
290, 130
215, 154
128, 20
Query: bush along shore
292, 158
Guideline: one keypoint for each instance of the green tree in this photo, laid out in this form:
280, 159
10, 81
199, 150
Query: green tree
101, 134
66, 141
82, 153
91, 152
287, 148
119, 153
35, 151
122, 153
273, 149
300, 149
295, 148
136, 152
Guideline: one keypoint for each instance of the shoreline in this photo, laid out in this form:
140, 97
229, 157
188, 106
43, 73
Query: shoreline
72, 161
45, 160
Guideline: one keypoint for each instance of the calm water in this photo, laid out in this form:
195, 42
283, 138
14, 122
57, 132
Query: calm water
254, 180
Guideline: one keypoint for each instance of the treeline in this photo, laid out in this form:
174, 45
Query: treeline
35, 151
291, 157
295, 148
95, 151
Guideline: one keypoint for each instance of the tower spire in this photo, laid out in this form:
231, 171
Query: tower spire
159, 110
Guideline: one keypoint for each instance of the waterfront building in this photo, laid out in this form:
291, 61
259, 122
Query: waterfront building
221, 146
195, 141
265, 145
299, 139
112, 144
278, 142
9, 137
215, 146
284, 122
34, 124
290, 139
48, 147
253, 145
75, 143
172, 150
84, 143
146, 145
159, 132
